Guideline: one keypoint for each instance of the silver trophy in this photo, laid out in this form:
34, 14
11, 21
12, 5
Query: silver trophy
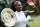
8, 17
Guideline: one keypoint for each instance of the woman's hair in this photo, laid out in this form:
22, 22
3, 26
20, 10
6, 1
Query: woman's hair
13, 4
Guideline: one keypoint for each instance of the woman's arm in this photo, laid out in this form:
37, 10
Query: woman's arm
35, 11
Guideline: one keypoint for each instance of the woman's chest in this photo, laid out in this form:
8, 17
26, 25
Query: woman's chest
20, 17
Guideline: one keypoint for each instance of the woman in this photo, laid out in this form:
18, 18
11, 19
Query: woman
21, 15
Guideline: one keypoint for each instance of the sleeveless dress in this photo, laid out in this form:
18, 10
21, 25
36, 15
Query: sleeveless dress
21, 19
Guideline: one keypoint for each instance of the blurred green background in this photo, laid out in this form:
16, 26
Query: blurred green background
34, 23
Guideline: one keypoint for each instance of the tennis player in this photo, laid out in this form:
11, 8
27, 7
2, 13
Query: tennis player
21, 15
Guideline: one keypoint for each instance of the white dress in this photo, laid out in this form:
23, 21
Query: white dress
21, 19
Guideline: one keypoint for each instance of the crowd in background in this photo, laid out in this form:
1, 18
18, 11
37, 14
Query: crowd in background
7, 3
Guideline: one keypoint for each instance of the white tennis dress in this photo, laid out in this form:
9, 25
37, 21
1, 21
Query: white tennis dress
21, 19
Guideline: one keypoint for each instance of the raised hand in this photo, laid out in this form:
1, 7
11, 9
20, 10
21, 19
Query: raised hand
30, 3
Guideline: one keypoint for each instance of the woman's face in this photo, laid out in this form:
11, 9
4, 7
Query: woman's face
19, 6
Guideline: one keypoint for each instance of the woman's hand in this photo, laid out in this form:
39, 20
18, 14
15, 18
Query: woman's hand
2, 22
31, 3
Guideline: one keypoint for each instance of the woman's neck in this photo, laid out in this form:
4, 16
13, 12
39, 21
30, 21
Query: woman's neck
17, 10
